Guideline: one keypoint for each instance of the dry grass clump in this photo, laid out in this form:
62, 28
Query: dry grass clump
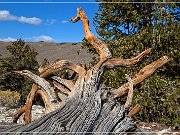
9, 98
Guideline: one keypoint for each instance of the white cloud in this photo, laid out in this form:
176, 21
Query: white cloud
31, 39
33, 20
43, 38
64, 21
40, 38
9, 39
7, 16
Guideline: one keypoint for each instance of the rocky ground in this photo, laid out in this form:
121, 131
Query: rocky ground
6, 115
38, 111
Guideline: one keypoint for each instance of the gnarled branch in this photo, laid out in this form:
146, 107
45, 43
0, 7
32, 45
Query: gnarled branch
61, 88
45, 85
114, 62
100, 47
46, 100
61, 65
27, 108
18, 114
29, 102
67, 83
143, 74
130, 93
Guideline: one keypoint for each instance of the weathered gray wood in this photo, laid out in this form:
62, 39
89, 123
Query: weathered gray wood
79, 115
45, 85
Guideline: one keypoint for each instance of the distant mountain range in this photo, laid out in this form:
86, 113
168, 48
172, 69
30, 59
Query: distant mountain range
53, 51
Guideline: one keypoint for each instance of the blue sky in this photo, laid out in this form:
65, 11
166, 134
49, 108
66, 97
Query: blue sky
43, 21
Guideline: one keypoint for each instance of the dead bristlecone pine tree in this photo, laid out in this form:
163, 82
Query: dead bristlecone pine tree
82, 105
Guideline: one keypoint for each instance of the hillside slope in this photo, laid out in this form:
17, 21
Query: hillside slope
54, 51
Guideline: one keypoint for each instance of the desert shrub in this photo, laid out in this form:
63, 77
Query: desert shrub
9, 98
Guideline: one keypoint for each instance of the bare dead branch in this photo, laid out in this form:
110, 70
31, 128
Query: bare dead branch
130, 93
27, 108
100, 47
45, 99
18, 114
149, 69
114, 62
135, 110
61, 88
67, 83
45, 85
29, 102
61, 65
143, 74
75, 19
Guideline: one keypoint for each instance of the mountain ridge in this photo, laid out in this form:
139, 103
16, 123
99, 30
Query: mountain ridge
71, 51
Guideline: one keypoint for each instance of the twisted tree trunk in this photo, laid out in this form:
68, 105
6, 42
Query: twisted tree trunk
87, 106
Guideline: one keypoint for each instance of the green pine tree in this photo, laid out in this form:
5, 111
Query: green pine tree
130, 28
22, 57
